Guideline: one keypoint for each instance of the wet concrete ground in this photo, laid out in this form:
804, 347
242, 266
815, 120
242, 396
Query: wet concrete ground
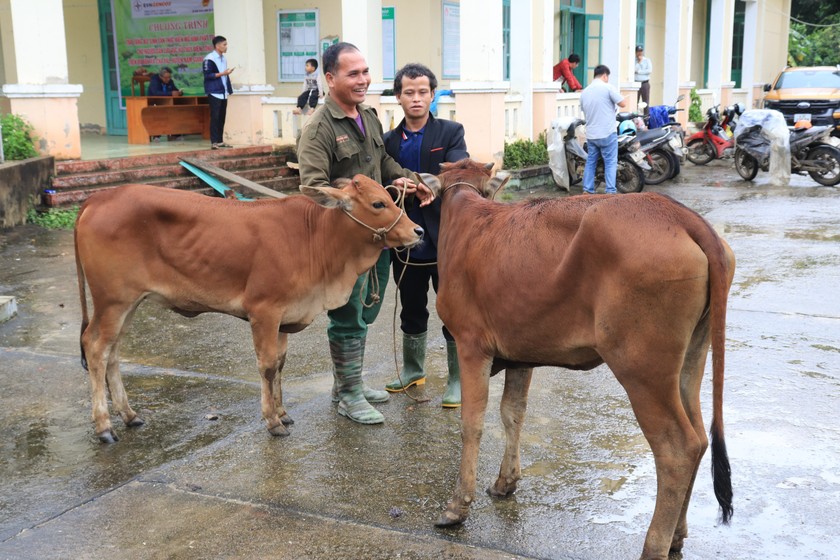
185, 486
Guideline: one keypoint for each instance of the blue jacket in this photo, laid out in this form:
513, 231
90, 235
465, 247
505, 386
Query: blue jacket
443, 141
157, 87
212, 84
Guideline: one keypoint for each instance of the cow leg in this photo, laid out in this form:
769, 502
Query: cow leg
119, 397
99, 340
691, 378
475, 384
514, 402
277, 390
676, 451
264, 331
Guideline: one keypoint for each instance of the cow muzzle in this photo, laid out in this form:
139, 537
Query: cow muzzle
380, 235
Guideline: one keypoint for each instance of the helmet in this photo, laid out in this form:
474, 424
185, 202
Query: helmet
627, 127
802, 124
740, 108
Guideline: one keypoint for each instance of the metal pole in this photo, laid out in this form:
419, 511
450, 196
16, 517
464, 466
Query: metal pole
2, 155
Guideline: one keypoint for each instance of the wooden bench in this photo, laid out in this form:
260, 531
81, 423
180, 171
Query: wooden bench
159, 116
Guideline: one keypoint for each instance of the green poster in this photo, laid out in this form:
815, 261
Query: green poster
150, 34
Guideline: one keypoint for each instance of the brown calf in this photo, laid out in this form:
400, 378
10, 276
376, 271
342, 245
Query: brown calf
275, 263
638, 282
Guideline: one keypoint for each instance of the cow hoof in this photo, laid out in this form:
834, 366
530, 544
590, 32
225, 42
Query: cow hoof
279, 430
287, 420
449, 519
136, 422
108, 436
501, 490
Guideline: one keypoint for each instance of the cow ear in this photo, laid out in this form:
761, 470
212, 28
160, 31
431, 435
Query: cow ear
430, 181
497, 183
328, 197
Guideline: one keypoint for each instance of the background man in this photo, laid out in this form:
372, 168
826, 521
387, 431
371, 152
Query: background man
563, 72
598, 102
421, 143
340, 140
163, 84
218, 89
643, 68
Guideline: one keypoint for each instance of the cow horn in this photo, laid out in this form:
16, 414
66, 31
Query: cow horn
497, 183
430, 181
489, 166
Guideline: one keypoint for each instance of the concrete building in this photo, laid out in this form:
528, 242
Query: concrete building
59, 66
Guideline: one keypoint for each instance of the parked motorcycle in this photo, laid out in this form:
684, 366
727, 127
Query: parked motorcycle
715, 140
662, 147
664, 115
631, 160
811, 152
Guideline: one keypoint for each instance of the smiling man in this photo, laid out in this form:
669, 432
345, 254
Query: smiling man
421, 143
343, 137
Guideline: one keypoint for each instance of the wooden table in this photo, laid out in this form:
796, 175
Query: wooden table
159, 116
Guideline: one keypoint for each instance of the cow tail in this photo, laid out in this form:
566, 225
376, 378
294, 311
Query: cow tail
80, 274
711, 245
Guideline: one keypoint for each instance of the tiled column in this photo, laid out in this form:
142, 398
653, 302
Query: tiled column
480, 93
37, 88
241, 23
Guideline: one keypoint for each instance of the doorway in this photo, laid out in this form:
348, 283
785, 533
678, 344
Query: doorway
114, 112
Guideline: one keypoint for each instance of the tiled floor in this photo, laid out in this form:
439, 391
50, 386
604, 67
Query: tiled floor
97, 146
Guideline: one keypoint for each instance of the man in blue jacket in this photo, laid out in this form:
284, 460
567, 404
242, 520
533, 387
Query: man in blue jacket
163, 84
421, 143
218, 89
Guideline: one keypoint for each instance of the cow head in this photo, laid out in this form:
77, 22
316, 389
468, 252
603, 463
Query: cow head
368, 204
464, 174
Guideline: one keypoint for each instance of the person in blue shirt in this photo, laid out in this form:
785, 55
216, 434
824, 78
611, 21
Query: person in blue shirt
162, 84
421, 143
218, 89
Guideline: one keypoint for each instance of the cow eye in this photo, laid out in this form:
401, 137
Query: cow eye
379, 205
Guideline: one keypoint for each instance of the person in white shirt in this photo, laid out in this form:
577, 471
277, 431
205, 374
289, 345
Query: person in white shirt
218, 89
598, 102
642, 74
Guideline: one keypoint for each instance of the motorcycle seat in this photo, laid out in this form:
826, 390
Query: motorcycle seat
645, 136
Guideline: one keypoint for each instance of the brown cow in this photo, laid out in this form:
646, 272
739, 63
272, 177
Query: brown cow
275, 263
638, 282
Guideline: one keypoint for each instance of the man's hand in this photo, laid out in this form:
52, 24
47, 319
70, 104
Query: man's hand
421, 191
177, 92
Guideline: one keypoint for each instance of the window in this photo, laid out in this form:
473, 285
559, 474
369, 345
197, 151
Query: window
297, 36
641, 11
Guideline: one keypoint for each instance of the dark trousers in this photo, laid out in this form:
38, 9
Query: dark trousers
644, 95
218, 111
414, 294
309, 96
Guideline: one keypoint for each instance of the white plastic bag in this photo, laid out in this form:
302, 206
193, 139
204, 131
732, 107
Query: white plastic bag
557, 151
777, 135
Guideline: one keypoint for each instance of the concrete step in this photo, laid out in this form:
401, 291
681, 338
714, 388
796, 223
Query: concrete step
277, 178
131, 162
75, 181
160, 170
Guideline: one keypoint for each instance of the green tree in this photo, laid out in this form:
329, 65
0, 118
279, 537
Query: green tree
814, 42
18, 137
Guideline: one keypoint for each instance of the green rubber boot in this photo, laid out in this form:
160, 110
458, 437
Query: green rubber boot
414, 356
371, 395
347, 356
452, 396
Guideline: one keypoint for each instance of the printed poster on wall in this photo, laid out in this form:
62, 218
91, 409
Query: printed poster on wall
451, 40
151, 34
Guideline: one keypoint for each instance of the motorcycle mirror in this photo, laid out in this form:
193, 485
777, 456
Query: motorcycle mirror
680, 98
